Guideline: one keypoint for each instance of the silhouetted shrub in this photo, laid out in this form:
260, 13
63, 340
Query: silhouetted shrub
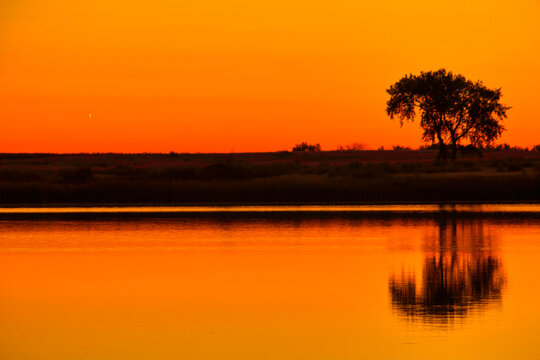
399, 147
429, 147
304, 146
469, 150
504, 146
351, 147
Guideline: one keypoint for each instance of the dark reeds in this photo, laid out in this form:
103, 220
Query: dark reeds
322, 177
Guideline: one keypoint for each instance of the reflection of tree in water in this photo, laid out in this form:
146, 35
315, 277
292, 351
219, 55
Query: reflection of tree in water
460, 273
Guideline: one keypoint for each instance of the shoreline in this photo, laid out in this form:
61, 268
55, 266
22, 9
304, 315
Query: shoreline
522, 211
150, 205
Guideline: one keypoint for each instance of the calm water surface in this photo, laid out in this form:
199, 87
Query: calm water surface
444, 285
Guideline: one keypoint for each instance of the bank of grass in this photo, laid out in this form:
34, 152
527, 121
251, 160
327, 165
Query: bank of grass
283, 177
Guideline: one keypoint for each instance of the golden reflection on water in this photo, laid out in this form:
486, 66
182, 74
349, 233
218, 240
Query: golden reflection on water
270, 289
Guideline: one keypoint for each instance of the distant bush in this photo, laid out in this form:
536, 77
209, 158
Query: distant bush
536, 148
352, 147
506, 146
466, 150
304, 146
401, 148
429, 147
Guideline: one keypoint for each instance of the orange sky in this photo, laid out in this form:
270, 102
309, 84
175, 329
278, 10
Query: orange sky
239, 75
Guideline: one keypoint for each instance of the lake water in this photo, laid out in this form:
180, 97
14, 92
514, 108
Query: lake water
268, 283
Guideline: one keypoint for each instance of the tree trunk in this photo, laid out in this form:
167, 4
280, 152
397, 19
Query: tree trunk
454, 150
442, 149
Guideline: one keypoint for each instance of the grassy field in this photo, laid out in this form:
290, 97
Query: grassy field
280, 177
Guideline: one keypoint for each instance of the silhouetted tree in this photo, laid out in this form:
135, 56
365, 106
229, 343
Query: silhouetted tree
459, 274
451, 108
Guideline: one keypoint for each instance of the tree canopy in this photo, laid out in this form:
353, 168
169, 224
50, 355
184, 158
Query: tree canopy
452, 108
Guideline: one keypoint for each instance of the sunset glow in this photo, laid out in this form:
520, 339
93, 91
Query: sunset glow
238, 75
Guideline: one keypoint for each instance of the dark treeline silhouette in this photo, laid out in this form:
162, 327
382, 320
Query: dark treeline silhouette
288, 177
460, 272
